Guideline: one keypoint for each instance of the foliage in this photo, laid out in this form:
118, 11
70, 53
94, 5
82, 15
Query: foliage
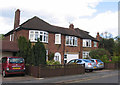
100, 54
115, 58
24, 49
116, 48
51, 56
39, 53
107, 44
53, 62
1, 36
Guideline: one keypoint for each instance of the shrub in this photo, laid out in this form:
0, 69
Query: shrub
101, 54
53, 62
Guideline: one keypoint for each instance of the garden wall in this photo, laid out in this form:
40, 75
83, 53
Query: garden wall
112, 65
54, 70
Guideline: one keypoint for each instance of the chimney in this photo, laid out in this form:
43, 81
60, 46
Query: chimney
17, 19
71, 26
98, 36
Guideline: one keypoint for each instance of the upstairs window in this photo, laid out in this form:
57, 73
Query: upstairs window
41, 35
71, 41
12, 37
86, 43
95, 44
57, 38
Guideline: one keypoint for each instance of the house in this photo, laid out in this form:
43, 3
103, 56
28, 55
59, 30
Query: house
66, 43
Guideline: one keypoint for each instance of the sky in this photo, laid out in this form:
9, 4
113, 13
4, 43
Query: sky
89, 15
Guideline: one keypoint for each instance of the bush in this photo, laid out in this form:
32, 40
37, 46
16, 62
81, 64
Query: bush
101, 54
53, 62
115, 58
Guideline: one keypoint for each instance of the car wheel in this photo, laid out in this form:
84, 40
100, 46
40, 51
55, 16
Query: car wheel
3, 73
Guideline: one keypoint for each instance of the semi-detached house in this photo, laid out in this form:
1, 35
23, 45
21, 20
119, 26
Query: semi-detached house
66, 43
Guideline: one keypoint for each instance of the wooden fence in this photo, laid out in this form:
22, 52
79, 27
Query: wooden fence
54, 70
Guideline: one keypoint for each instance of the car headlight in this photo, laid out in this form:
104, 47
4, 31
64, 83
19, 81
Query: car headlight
24, 68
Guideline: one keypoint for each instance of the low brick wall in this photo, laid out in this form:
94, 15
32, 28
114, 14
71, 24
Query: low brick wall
112, 65
54, 70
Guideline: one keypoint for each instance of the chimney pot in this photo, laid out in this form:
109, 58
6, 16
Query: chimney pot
71, 26
17, 19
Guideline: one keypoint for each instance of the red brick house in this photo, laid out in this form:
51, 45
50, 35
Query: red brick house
65, 43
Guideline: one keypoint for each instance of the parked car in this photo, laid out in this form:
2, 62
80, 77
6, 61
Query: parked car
99, 63
12, 65
89, 65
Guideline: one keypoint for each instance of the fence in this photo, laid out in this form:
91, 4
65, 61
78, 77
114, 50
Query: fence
54, 70
112, 65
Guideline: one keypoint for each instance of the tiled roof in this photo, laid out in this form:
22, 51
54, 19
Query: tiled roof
36, 23
85, 35
9, 46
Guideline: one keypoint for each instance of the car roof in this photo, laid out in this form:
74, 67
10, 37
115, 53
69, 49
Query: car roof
11, 57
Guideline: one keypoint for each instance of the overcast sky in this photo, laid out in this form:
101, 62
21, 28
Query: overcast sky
89, 15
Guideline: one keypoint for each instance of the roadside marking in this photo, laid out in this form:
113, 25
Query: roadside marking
39, 78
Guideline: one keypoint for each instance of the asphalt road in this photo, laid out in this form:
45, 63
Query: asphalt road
101, 76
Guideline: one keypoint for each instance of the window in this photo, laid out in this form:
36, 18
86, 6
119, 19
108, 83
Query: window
57, 38
95, 44
41, 35
12, 37
85, 54
71, 41
86, 43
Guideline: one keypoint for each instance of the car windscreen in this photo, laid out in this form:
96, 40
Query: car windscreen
87, 61
99, 61
16, 60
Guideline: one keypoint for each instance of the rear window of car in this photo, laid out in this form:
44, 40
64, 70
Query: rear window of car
99, 61
87, 60
92, 60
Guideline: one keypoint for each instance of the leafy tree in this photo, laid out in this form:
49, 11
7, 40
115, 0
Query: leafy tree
24, 49
39, 53
107, 44
102, 54
1, 36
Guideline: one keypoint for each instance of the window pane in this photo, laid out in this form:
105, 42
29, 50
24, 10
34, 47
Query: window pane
36, 35
67, 40
40, 37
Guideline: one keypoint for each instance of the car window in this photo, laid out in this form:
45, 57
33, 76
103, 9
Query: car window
87, 61
99, 61
92, 60
71, 62
78, 61
4, 60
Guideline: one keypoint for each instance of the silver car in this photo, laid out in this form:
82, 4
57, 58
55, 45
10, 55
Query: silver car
99, 63
89, 65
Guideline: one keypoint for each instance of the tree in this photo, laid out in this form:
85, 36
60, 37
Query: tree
107, 44
102, 54
39, 53
117, 46
25, 49
1, 36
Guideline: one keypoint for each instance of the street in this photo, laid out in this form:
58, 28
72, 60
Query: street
99, 76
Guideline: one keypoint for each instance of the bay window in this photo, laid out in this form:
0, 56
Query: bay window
35, 35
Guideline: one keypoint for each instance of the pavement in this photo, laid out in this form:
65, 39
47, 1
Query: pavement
106, 76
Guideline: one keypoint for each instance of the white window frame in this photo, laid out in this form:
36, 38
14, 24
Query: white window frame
95, 43
85, 41
11, 37
44, 36
85, 54
70, 41
59, 39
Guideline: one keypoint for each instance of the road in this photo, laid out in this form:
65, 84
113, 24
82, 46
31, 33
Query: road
100, 76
